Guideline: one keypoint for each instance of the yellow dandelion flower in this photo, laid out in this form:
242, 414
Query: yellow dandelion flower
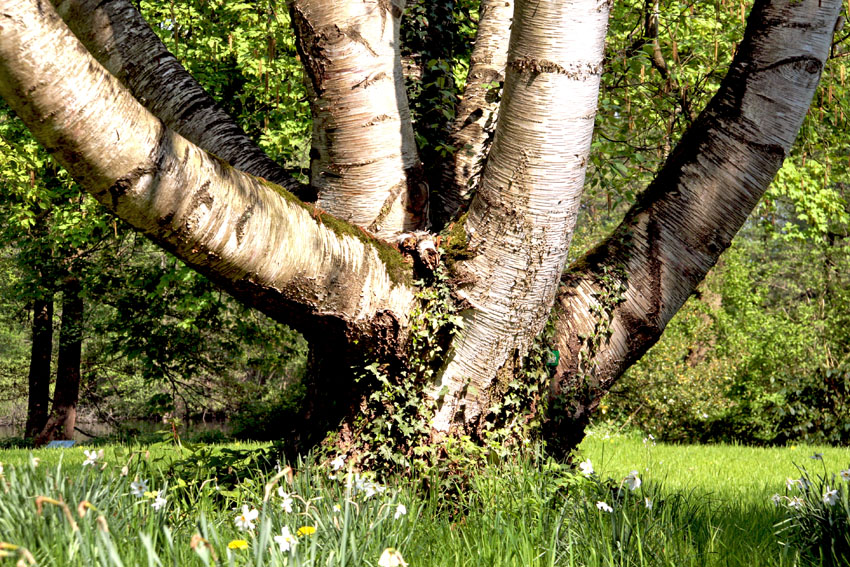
237, 544
305, 530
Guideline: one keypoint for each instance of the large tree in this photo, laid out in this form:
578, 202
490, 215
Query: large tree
97, 88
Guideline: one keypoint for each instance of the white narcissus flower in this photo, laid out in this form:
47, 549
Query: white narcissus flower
159, 502
35, 461
586, 467
245, 520
92, 456
845, 474
337, 508
632, 481
287, 500
604, 507
138, 488
776, 499
647, 503
796, 502
391, 558
285, 540
817, 457
830, 497
400, 511
338, 463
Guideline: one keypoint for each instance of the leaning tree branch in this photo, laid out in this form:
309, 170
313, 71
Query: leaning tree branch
615, 302
251, 237
122, 41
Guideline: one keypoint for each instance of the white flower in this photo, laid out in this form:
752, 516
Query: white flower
647, 503
1, 468
125, 470
400, 511
245, 520
801, 483
287, 500
632, 481
817, 456
830, 497
337, 508
285, 540
391, 558
649, 440
586, 467
138, 488
604, 507
159, 502
338, 463
795, 502
776, 499
92, 456
845, 474
35, 461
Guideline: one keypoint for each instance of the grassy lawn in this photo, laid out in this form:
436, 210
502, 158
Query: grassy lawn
696, 505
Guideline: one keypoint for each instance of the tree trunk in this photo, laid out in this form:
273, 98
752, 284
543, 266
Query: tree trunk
39, 374
616, 301
477, 114
66, 393
521, 220
364, 163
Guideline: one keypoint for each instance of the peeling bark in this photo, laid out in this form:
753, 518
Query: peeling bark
472, 131
364, 164
120, 39
616, 301
521, 220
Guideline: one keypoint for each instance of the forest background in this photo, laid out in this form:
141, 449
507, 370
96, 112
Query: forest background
760, 353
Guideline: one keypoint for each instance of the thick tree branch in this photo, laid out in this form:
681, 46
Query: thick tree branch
616, 301
253, 238
472, 131
120, 39
364, 163
521, 219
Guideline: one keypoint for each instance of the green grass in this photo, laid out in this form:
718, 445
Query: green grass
710, 506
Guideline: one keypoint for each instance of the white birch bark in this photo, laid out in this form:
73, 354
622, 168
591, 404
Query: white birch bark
522, 217
477, 113
252, 238
364, 163
118, 37
615, 303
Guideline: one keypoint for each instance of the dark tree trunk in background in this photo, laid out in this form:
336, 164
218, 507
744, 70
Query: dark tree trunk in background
63, 416
39, 375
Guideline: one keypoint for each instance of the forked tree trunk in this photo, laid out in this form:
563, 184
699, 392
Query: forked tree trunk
364, 163
521, 219
616, 301
66, 393
38, 401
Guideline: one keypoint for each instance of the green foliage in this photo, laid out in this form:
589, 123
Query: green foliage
243, 53
394, 424
273, 417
